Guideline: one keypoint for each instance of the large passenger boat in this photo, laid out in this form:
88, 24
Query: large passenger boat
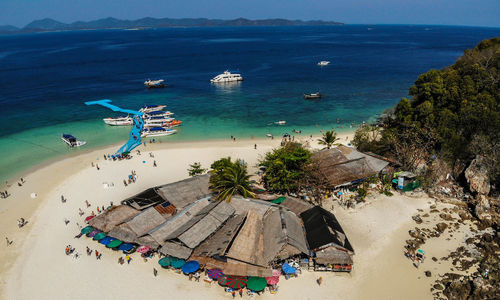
119, 121
227, 77
157, 131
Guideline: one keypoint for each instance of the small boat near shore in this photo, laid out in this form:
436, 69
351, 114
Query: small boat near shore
316, 95
71, 140
157, 131
227, 77
150, 84
119, 121
151, 108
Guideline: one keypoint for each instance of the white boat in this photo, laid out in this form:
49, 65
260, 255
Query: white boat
119, 121
72, 141
157, 131
154, 83
324, 63
156, 122
269, 135
226, 77
280, 122
151, 108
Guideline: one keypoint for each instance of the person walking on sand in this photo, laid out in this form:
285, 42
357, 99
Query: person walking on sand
241, 292
155, 272
8, 241
319, 281
128, 259
255, 146
96, 254
154, 163
97, 166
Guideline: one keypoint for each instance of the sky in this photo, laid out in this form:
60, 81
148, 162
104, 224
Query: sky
439, 12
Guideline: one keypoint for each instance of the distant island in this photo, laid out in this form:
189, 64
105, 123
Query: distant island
47, 24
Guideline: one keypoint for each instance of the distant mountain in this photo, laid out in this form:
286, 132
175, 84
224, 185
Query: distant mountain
112, 23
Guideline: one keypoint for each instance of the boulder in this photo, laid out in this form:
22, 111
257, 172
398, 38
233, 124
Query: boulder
482, 209
477, 176
441, 227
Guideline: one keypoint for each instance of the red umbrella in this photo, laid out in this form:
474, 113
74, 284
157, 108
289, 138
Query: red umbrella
276, 273
143, 249
273, 280
235, 282
89, 218
215, 273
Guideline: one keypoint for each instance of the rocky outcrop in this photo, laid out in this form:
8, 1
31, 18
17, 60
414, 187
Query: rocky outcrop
477, 176
482, 209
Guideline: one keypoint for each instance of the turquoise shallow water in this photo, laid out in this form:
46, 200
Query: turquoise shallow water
371, 69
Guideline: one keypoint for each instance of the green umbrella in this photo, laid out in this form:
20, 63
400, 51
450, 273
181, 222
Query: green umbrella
166, 261
279, 200
99, 236
87, 229
177, 263
114, 243
256, 283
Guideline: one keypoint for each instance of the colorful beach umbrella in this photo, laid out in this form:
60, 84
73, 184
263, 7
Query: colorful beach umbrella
273, 280
276, 273
126, 247
215, 273
178, 263
143, 249
93, 233
256, 283
107, 240
166, 261
235, 282
191, 266
99, 236
89, 218
114, 243
87, 229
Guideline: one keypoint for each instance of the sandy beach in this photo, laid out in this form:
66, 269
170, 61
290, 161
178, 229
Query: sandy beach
35, 266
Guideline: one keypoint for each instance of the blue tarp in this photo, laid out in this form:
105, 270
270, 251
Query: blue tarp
288, 269
106, 240
190, 266
126, 247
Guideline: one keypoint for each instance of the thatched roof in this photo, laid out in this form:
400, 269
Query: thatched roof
175, 250
176, 225
112, 217
248, 246
343, 165
296, 205
124, 233
332, 255
145, 221
323, 229
283, 235
243, 205
147, 240
217, 244
185, 192
207, 225
242, 269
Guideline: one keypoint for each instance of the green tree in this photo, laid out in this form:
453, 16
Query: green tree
328, 139
285, 168
196, 169
229, 178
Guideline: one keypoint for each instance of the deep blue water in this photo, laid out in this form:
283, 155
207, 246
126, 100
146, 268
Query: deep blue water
45, 78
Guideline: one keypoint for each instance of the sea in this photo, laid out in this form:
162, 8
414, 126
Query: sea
45, 78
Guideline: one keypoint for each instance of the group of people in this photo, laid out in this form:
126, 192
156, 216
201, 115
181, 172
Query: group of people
4, 194
127, 259
98, 255
69, 250
21, 222
116, 157
131, 178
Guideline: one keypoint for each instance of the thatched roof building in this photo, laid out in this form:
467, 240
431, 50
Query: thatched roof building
243, 205
144, 199
184, 192
124, 233
113, 217
343, 165
248, 245
145, 221
176, 250
283, 235
296, 205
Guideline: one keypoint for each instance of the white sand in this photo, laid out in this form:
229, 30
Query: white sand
36, 267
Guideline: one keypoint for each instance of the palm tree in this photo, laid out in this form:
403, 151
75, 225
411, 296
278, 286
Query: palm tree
232, 179
329, 138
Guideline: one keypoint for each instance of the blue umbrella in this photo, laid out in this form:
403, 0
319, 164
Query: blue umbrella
106, 240
288, 269
126, 247
190, 266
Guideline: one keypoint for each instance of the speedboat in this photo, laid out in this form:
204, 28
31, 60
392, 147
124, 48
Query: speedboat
226, 77
316, 95
173, 123
157, 120
269, 135
72, 141
158, 113
119, 121
151, 108
280, 122
160, 83
157, 131
323, 63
